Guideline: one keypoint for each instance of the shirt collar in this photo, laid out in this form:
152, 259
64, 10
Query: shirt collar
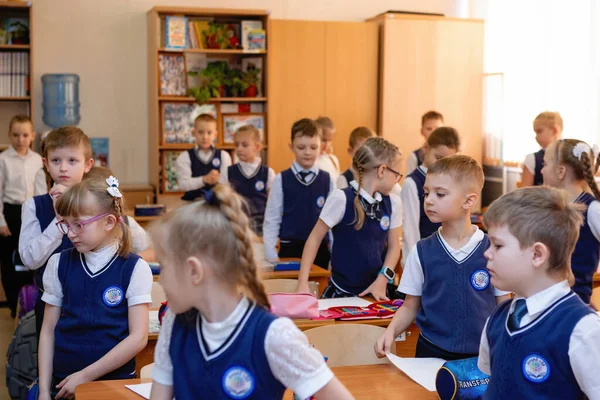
257, 161
13, 153
474, 240
101, 256
202, 151
297, 168
423, 169
540, 301
365, 195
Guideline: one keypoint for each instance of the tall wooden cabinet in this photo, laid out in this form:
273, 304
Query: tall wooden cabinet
320, 68
430, 63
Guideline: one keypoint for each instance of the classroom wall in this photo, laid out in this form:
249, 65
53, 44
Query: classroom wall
104, 42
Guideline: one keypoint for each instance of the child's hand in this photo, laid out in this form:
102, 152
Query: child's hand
4, 231
212, 178
302, 288
377, 289
384, 344
44, 396
68, 385
56, 192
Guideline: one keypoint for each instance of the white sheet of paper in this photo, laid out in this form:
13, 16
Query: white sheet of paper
324, 304
153, 323
420, 370
143, 389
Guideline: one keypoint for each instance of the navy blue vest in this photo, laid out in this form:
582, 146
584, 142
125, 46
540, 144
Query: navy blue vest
357, 256
44, 211
252, 188
348, 175
239, 369
533, 362
302, 204
426, 227
457, 297
199, 168
94, 316
584, 261
538, 179
417, 154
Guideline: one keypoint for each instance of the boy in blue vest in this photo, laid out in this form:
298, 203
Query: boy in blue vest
67, 157
297, 197
442, 142
430, 121
447, 287
249, 177
200, 168
545, 342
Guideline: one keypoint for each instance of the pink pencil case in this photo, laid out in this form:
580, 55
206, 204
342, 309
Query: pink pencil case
294, 305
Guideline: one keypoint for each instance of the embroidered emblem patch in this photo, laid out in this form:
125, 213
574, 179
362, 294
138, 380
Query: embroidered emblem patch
480, 279
216, 162
384, 223
238, 382
113, 296
320, 201
535, 368
259, 186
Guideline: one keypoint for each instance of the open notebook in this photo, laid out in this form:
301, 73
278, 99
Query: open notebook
143, 389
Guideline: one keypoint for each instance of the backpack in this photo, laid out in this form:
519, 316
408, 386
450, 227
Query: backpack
21, 359
27, 298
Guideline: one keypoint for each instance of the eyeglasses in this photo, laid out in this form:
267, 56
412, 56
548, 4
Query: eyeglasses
77, 227
398, 174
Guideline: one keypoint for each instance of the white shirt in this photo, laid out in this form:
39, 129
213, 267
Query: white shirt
139, 237
411, 163
138, 291
584, 345
41, 187
411, 233
412, 280
248, 170
35, 246
296, 364
329, 162
274, 210
183, 166
17, 177
593, 218
335, 207
529, 163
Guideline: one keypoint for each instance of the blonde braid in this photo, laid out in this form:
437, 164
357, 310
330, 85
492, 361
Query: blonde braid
231, 207
358, 209
125, 247
588, 174
597, 163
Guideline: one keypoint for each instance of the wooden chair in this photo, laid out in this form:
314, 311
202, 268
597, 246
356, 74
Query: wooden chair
158, 295
348, 344
146, 371
287, 286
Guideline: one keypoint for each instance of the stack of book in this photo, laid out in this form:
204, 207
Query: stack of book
14, 74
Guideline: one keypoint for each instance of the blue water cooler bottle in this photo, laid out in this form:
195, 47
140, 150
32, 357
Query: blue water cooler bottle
60, 100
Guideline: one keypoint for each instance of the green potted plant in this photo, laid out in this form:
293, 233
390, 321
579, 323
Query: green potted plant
251, 79
235, 83
212, 81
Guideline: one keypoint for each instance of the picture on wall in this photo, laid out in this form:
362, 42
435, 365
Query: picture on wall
169, 173
172, 75
232, 122
100, 151
178, 120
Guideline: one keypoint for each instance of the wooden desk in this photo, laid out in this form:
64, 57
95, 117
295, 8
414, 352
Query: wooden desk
596, 282
367, 382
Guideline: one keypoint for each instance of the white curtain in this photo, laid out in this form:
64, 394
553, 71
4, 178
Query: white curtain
547, 53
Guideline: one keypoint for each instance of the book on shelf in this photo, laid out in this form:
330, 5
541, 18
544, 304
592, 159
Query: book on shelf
247, 27
176, 31
257, 39
172, 75
178, 121
231, 123
250, 63
14, 74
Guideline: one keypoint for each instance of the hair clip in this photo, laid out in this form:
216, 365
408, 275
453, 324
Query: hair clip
596, 150
579, 149
113, 186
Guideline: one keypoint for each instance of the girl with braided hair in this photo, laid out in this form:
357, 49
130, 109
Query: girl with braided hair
97, 294
570, 164
218, 339
365, 218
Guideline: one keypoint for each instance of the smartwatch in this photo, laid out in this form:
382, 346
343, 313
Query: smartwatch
388, 273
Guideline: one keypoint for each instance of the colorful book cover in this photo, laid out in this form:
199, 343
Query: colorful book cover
201, 28
247, 27
170, 173
100, 150
172, 75
176, 30
231, 123
257, 40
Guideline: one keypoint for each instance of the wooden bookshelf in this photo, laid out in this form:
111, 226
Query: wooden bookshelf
13, 105
159, 152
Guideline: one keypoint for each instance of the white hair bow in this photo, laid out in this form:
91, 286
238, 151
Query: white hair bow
113, 186
579, 149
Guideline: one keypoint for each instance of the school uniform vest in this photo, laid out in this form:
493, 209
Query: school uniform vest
457, 296
239, 369
357, 256
417, 154
199, 168
533, 362
538, 179
253, 188
348, 175
426, 227
94, 316
585, 257
302, 204
44, 212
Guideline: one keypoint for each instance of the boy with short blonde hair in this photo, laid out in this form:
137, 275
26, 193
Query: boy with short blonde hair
544, 343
